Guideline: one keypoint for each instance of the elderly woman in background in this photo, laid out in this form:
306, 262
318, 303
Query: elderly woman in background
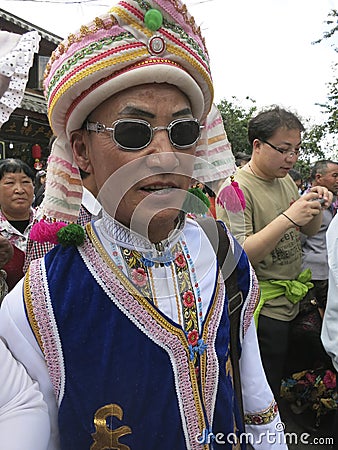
23, 413
16, 214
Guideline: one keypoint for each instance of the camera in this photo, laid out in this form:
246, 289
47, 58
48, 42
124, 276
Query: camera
320, 200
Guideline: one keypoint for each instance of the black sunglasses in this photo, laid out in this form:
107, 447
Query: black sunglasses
137, 134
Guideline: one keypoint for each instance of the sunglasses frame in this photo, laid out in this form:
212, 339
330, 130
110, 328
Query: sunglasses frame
98, 127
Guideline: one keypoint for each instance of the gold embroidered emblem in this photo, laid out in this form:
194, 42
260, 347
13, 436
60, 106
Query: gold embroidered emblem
104, 437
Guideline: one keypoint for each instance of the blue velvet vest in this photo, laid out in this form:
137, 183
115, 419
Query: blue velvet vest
120, 369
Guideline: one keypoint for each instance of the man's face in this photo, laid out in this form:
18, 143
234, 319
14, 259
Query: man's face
329, 178
273, 163
137, 186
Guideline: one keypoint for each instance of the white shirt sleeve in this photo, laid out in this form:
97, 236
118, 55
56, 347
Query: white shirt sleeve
258, 399
329, 328
24, 421
19, 338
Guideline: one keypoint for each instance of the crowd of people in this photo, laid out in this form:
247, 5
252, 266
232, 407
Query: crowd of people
128, 321
292, 267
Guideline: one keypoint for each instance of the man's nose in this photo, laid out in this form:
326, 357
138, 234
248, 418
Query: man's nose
162, 154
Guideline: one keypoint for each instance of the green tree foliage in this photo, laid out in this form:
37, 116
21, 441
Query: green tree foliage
332, 22
331, 106
313, 141
235, 118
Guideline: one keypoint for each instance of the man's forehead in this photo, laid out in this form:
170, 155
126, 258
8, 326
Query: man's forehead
288, 133
147, 90
332, 167
138, 99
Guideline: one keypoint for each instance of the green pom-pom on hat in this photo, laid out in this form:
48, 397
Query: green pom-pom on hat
153, 19
72, 234
196, 202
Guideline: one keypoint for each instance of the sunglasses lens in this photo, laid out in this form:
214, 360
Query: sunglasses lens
184, 133
136, 134
132, 135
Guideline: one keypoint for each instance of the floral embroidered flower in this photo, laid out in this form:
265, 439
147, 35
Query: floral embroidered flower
180, 260
264, 417
311, 378
312, 390
193, 337
188, 299
139, 277
257, 420
329, 379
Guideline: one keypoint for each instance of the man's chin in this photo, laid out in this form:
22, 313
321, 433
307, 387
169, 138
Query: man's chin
155, 224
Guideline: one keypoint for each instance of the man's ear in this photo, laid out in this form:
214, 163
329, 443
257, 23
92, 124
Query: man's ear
256, 145
80, 147
318, 176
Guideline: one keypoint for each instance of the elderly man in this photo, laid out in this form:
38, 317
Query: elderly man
323, 173
127, 328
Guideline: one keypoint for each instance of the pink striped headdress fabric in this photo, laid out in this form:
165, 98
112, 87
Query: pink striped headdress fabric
214, 158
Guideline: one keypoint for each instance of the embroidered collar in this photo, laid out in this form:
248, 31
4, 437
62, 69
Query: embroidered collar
160, 252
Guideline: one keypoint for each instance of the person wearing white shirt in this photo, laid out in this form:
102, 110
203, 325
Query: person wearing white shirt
329, 333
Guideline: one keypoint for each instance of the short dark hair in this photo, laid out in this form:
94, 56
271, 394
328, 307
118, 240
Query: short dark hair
295, 175
241, 156
11, 165
320, 167
267, 122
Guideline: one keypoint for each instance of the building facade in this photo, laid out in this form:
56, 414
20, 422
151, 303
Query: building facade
28, 129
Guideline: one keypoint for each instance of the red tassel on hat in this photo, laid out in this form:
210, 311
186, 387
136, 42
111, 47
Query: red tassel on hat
231, 197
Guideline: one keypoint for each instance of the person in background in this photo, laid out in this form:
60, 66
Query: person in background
24, 419
297, 178
138, 293
329, 333
39, 187
314, 251
306, 327
269, 229
241, 159
16, 213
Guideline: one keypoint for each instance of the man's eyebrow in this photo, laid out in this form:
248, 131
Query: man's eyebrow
290, 145
183, 112
133, 111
